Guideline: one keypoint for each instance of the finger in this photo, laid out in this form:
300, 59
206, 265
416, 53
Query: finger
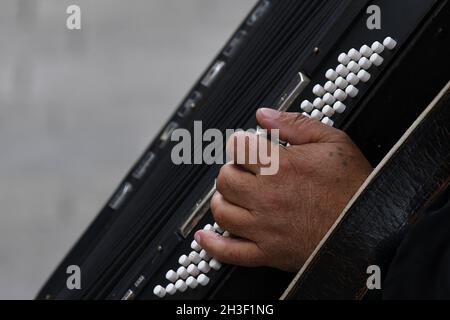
230, 250
298, 129
250, 151
237, 186
232, 218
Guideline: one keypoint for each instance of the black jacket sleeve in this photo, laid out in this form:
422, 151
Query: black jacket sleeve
421, 266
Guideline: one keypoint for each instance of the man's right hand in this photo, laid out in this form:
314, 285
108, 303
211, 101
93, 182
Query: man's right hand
278, 220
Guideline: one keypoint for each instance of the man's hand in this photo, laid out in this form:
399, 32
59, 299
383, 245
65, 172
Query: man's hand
278, 220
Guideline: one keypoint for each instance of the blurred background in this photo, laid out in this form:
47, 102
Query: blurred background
77, 108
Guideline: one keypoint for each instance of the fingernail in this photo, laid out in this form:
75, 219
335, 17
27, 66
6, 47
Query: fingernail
197, 237
269, 113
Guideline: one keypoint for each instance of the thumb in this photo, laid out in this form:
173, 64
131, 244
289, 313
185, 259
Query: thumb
297, 129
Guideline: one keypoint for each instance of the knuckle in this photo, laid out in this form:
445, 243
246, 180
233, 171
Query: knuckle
220, 216
341, 135
298, 120
228, 180
237, 139
231, 142
301, 120
223, 179
239, 135
215, 203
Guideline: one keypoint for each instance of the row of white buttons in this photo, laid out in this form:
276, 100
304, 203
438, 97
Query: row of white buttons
181, 285
193, 268
342, 81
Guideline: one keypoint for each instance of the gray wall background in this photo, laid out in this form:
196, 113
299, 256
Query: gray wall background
78, 107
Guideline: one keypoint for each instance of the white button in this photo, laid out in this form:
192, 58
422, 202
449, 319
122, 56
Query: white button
331, 75
159, 291
204, 255
307, 106
364, 76
170, 289
354, 54
193, 270
328, 122
390, 43
339, 107
203, 280
365, 63
184, 260
316, 115
353, 67
330, 86
195, 246
340, 95
171, 276
194, 257
353, 79
318, 90
351, 91
328, 98
318, 103
208, 227
366, 51
328, 111
216, 265
181, 286
204, 267
342, 70
306, 115
191, 282
377, 47
182, 273
217, 228
225, 234
341, 83
344, 58
376, 59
